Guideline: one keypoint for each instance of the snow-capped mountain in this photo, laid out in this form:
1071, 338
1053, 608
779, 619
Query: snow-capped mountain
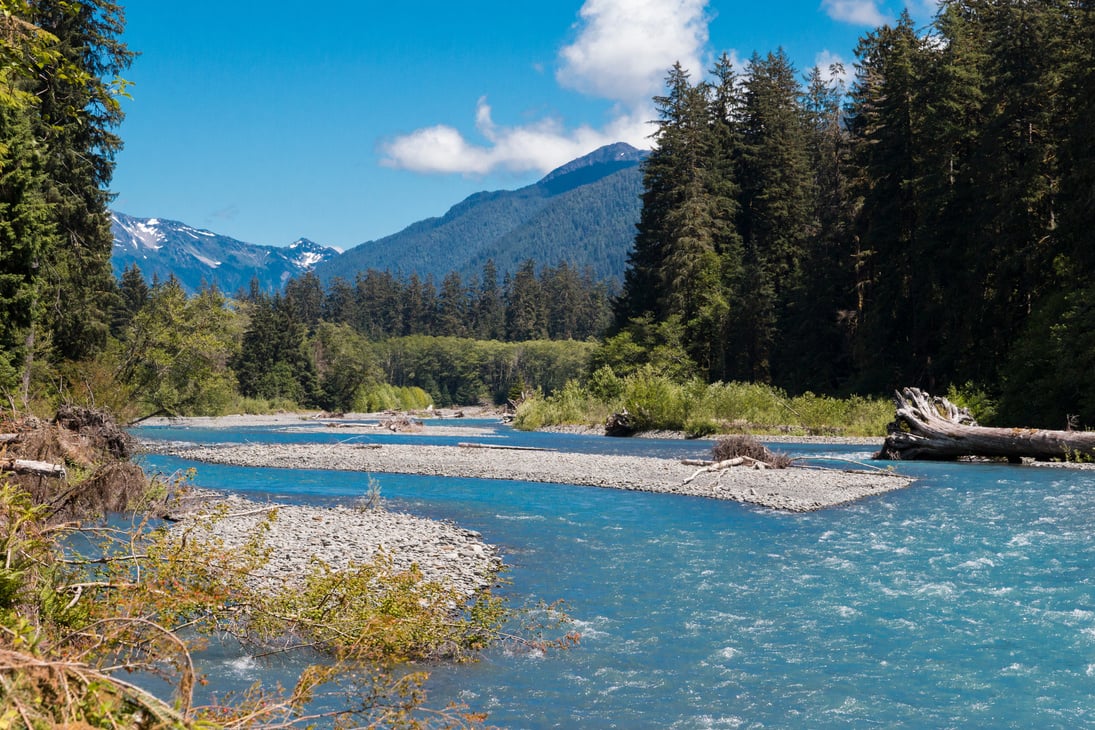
161, 248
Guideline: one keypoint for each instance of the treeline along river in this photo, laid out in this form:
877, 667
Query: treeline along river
966, 600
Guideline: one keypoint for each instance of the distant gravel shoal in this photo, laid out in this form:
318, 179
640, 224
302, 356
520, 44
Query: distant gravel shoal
339, 536
795, 489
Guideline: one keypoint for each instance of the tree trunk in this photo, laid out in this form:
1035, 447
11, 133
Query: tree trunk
935, 429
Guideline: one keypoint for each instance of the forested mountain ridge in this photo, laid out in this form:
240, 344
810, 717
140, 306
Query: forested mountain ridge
582, 213
162, 248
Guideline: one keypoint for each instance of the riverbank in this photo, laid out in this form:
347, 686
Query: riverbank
796, 489
301, 418
763, 437
339, 536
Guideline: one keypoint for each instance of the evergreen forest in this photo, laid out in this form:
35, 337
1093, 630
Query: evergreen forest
928, 225
923, 220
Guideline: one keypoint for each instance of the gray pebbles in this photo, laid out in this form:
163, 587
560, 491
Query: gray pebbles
458, 557
339, 536
796, 489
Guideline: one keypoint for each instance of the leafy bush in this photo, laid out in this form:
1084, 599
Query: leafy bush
413, 398
975, 399
655, 402
376, 397
604, 384
572, 405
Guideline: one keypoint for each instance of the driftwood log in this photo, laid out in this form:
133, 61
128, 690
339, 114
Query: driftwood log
29, 466
933, 428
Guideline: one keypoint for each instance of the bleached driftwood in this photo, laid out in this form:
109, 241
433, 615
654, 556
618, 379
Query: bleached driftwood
713, 466
37, 468
933, 428
501, 447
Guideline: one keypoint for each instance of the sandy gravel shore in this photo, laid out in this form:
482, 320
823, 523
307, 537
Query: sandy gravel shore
795, 489
305, 417
298, 534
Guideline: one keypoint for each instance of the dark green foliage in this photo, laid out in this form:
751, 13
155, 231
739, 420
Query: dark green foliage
272, 362
814, 352
1048, 377
776, 210
26, 229
58, 106
646, 344
556, 303
526, 306
453, 307
685, 233
489, 309
75, 116
457, 371
133, 294
304, 300
176, 351
932, 227
887, 125
345, 363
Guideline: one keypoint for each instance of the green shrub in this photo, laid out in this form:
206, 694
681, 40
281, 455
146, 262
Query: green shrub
413, 398
655, 402
571, 405
604, 384
975, 399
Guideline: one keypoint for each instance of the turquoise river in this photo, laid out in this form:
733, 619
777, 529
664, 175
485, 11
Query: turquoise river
964, 601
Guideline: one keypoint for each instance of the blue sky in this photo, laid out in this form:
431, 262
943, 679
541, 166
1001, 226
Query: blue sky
347, 121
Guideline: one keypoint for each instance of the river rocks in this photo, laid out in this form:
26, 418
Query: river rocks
793, 489
339, 536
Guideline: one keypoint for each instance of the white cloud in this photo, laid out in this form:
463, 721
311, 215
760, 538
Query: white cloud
621, 52
625, 47
541, 146
856, 12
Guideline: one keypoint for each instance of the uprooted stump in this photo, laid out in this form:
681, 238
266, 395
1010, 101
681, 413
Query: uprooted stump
933, 428
619, 424
98, 428
76, 464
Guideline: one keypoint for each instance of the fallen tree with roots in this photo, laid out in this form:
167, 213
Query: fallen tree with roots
928, 427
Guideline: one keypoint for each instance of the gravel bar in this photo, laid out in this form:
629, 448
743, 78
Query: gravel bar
795, 489
339, 536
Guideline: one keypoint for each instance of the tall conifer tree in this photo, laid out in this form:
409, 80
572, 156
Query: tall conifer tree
776, 195
821, 312
76, 117
886, 121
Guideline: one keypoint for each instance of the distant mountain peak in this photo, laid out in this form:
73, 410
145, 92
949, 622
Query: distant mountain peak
618, 154
307, 253
582, 213
195, 256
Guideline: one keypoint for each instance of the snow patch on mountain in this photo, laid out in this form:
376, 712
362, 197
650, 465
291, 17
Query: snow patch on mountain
197, 257
142, 233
